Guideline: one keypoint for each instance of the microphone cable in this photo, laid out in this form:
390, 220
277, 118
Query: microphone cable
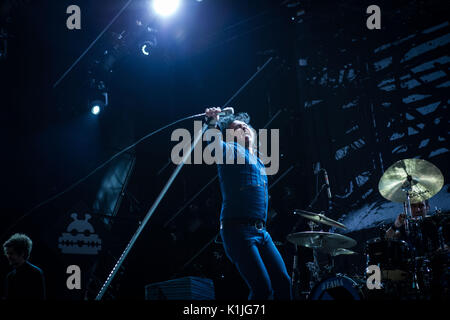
126, 149
73, 185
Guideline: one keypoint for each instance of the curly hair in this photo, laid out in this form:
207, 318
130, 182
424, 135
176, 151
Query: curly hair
21, 244
224, 122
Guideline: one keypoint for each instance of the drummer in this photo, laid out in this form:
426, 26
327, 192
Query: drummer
397, 230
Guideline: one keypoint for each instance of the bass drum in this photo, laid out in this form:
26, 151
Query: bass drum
338, 287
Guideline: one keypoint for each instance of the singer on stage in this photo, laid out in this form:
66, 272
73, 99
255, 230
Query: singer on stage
244, 212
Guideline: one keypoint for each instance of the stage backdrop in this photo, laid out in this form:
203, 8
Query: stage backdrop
369, 98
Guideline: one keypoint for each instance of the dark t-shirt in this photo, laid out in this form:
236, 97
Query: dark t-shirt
25, 282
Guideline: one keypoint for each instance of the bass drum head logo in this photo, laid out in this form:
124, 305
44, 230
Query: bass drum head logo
80, 237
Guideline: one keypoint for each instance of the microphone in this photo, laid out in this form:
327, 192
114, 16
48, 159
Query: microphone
327, 182
226, 111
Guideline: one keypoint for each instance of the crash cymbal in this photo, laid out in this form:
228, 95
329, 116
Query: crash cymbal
319, 218
422, 178
321, 240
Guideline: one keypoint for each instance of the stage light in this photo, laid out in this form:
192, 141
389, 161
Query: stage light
95, 110
97, 102
146, 48
149, 42
165, 7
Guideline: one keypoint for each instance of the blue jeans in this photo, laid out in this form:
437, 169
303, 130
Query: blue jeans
258, 261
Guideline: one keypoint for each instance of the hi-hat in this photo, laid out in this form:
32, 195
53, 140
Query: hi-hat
420, 178
319, 218
325, 241
341, 251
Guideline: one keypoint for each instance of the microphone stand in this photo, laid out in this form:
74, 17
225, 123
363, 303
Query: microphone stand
149, 214
164, 190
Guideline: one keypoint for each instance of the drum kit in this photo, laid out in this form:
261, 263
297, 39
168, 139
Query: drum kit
325, 284
414, 267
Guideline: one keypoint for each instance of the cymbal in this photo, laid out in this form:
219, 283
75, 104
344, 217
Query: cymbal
422, 177
319, 218
321, 240
341, 251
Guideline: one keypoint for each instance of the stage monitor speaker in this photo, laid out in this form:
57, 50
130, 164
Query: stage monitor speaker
187, 288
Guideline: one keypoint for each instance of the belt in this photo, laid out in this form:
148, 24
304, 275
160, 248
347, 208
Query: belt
258, 223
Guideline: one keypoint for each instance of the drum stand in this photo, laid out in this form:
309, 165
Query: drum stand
314, 270
408, 211
314, 266
408, 224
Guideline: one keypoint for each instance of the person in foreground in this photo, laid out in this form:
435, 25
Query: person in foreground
243, 216
25, 281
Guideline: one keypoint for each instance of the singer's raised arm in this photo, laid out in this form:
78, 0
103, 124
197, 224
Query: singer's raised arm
214, 139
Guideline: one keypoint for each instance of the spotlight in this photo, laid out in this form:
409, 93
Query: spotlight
97, 105
149, 42
165, 7
95, 110
147, 47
